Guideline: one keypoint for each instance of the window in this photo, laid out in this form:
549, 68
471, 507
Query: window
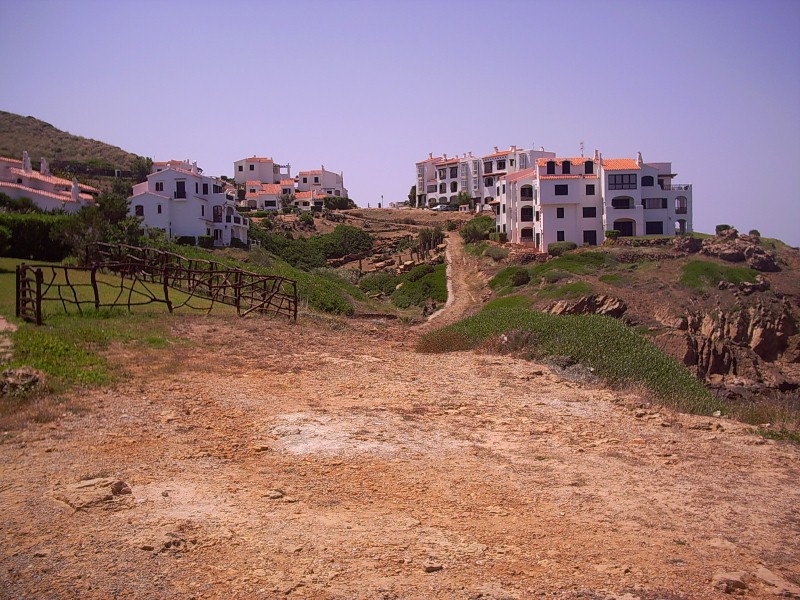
305, 179
158, 209
504, 188
205, 189
526, 192
159, 186
180, 189
651, 203
442, 173
622, 202
622, 182
526, 214
453, 172
453, 186
139, 210
196, 188
551, 167
559, 236
252, 167
589, 212
562, 189
487, 167
511, 162
270, 203
316, 179
527, 234
588, 167
537, 215
442, 188
202, 211
654, 228
217, 213
504, 209
590, 189
590, 237
560, 212
647, 181
241, 168
566, 167
501, 165
217, 189
489, 181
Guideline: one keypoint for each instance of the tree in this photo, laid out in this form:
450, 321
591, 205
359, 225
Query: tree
412, 196
140, 168
464, 198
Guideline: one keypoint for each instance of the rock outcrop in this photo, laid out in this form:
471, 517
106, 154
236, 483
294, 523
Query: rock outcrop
585, 305
729, 246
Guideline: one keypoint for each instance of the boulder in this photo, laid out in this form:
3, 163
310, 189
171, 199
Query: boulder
595, 304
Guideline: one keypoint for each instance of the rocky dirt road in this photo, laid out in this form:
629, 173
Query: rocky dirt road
262, 459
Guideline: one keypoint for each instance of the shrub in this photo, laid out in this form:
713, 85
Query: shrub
34, 236
554, 275
612, 234
186, 240
558, 248
477, 229
450, 225
379, 282
237, 243
307, 218
498, 236
205, 241
722, 227
520, 278
338, 203
496, 253
5, 239
417, 292
755, 233
418, 272
262, 214
505, 277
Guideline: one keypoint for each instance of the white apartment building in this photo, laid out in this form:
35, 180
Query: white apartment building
579, 199
321, 181
262, 196
48, 192
260, 169
440, 179
181, 164
184, 202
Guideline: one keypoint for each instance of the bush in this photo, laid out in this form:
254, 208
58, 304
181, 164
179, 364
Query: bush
262, 214
379, 282
237, 243
307, 218
205, 241
559, 248
612, 234
418, 272
186, 240
34, 236
497, 236
496, 253
417, 292
477, 229
755, 233
505, 277
338, 203
520, 278
722, 227
5, 239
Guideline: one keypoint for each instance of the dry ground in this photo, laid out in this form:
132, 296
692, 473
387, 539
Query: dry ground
329, 460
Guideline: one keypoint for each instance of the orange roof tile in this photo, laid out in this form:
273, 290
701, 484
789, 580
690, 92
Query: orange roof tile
11, 160
559, 176
503, 153
258, 159
621, 164
63, 197
271, 188
524, 173
315, 172
287, 181
51, 179
307, 195
432, 159
449, 161
542, 162
253, 182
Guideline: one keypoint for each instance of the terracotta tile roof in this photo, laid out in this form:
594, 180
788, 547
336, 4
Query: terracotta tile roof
524, 173
577, 161
253, 182
11, 160
503, 153
287, 181
171, 162
307, 195
495, 174
51, 179
315, 172
271, 188
449, 161
427, 160
494, 202
559, 176
621, 164
256, 159
63, 197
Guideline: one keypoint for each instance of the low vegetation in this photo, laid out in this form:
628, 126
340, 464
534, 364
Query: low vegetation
701, 274
418, 287
614, 352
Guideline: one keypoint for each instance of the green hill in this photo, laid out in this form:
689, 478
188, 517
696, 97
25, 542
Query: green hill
40, 139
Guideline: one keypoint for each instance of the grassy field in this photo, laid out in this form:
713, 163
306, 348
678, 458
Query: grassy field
702, 274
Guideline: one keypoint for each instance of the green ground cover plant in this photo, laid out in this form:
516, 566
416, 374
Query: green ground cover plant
701, 274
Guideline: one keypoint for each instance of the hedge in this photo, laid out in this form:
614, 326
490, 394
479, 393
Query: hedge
32, 236
205, 241
558, 248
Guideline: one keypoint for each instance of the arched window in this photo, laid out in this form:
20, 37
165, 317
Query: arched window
453, 186
566, 167
647, 181
442, 188
526, 213
526, 192
523, 161
681, 205
526, 235
551, 167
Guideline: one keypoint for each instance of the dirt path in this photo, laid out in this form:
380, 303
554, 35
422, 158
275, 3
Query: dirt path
268, 460
466, 286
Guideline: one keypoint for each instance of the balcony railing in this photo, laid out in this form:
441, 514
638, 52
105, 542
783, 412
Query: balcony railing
676, 187
177, 195
217, 218
681, 210
237, 220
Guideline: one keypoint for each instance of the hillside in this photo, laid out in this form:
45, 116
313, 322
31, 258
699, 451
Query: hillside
40, 139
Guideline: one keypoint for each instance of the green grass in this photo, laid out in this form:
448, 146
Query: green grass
517, 302
496, 253
780, 435
698, 275
575, 263
575, 289
618, 355
613, 279
476, 249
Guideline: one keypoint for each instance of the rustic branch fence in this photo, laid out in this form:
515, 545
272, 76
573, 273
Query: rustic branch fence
133, 276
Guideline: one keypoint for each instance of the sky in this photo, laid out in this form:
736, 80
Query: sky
371, 87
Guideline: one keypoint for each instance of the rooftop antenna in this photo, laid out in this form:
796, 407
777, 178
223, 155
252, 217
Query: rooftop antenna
581, 149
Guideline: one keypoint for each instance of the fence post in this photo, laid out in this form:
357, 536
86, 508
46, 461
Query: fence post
39, 280
238, 288
166, 286
19, 286
94, 287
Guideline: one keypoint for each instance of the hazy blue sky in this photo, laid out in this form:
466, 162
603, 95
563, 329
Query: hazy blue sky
369, 88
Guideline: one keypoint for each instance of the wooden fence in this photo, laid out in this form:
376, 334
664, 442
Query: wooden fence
133, 276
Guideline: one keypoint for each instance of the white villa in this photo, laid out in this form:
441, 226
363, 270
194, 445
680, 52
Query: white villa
440, 180
260, 169
321, 181
579, 199
48, 192
184, 202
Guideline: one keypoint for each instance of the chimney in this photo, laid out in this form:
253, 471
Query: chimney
430, 155
639, 160
26, 162
44, 169
513, 148
470, 154
194, 167
541, 148
445, 156
75, 191
496, 149
596, 154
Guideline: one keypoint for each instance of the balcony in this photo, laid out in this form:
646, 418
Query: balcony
178, 195
233, 219
681, 210
677, 187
